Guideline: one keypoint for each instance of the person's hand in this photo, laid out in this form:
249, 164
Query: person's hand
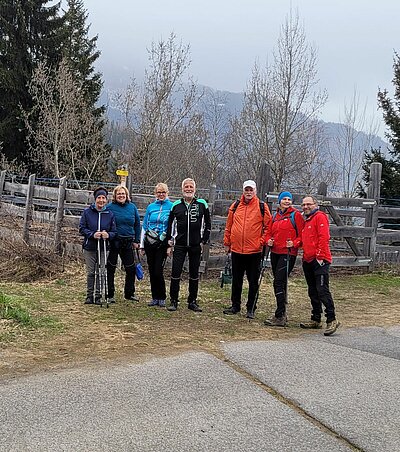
171, 243
270, 242
321, 262
97, 235
142, 252
169, 251
104, 235
136, 246
227, 249
289, 243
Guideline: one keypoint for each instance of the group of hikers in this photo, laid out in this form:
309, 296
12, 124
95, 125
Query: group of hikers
181, 229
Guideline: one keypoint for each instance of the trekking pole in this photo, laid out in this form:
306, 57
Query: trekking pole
264, 256
104, 270
97, 276
287, 278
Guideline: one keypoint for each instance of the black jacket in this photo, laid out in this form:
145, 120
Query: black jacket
190, 225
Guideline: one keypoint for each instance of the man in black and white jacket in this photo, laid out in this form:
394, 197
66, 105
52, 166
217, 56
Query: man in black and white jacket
189, 228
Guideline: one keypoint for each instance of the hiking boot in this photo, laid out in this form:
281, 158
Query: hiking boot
331, 327
173, 306
161, 303
312, 324
89, 300
275, 321
132, 298
231, 311
111, 300
193, 306
153, 303
250, 314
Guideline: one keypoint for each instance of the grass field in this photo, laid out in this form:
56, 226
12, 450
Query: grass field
45, 325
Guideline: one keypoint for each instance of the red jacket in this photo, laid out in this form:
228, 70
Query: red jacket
245, 227
280, 228
315, 237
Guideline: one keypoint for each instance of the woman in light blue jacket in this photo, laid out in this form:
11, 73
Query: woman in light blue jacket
153, 243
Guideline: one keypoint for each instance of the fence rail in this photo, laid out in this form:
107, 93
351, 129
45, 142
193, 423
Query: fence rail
353, 230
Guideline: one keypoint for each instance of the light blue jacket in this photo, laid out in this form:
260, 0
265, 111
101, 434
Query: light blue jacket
156, 218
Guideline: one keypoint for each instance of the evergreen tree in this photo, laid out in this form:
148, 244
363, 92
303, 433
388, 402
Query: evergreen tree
390, 182
29, 33
390, 185
80, 52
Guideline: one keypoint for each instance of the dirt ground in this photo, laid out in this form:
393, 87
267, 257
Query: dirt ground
68, 333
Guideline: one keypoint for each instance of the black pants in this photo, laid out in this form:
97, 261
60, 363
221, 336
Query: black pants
281, 269
241, 264
178, 259
124, 249
155, 262
317, 277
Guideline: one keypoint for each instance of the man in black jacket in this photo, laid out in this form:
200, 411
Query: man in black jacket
189, 228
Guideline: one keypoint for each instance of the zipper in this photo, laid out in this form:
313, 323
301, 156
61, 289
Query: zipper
188, 222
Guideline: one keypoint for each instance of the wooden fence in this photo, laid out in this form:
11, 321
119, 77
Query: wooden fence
356, 239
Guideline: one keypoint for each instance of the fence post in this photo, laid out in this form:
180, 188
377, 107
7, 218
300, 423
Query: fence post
59, 214
371, 218
2, 182
206, 248
322, 189
28, 208
265, 181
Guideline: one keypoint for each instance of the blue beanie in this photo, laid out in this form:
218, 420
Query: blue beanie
284, 194
100, 191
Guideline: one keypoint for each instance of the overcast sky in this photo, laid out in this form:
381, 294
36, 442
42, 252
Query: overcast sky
355, 40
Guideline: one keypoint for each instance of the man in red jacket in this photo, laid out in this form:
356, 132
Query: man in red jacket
316, 262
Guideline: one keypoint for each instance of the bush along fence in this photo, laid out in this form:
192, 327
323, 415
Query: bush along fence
49, 217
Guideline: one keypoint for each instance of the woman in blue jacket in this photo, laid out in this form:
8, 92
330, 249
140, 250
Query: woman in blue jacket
95, 224
128, 237
153, 242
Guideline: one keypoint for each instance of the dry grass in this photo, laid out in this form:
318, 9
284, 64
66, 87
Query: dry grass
65, 332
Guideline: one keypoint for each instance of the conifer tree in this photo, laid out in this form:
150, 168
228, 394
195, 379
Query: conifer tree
80, 52
390, 187
29, 33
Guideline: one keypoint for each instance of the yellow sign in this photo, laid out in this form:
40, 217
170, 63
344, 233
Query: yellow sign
121, 172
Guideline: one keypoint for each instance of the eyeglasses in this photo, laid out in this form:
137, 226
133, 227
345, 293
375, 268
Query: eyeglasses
121, 194
161, 192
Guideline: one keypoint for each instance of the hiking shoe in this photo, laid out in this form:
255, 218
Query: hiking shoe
331, 327
111, 300
231, 311
250, 314
153, 303
193, 306
312, 324
132, 298
275, 321
173, 306
89, 300
161, 303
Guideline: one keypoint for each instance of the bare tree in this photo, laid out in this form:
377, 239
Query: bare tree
161, 118
65, 138
356, 135
216, 127
282, 104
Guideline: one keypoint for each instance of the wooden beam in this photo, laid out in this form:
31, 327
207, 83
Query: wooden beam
338, 221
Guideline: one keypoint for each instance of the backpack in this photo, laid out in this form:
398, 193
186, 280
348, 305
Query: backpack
292, 220
262, 207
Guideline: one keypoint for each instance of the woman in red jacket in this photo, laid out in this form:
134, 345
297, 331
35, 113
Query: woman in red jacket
283, 236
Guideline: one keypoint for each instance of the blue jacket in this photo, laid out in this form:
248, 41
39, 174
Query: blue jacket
127, 219
89, 224
156, 216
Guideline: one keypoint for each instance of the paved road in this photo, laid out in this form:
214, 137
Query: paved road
310, 394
